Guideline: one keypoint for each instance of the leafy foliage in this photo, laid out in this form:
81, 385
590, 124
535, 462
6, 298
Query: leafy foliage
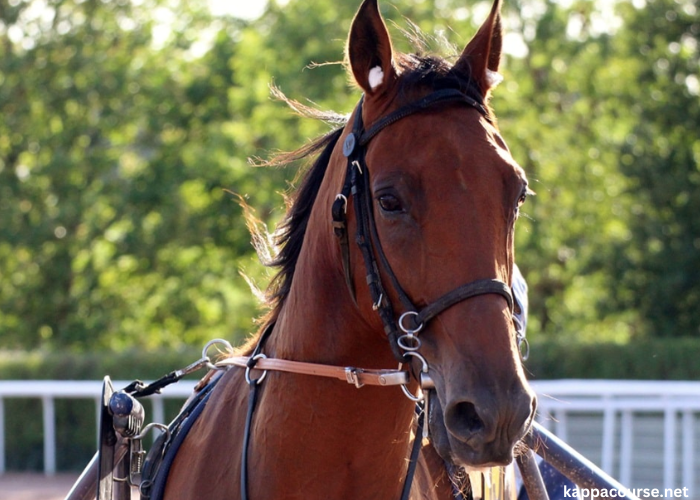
127, 125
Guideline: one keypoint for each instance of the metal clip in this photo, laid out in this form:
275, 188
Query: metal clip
426, 381
377, 304
426, 384
205, 357
137, 456
351, 375
426, 414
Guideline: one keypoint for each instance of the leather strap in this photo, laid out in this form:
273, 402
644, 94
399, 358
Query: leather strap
351, 375
445, 95
473, 289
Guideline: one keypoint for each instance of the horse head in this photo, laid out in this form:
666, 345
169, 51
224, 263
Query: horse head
443, 196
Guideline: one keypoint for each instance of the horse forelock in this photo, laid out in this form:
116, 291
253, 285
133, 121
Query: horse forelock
430, 73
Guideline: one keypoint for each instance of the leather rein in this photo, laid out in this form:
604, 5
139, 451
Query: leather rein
401, 333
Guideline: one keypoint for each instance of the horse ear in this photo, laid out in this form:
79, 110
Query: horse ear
369, 50
482, 55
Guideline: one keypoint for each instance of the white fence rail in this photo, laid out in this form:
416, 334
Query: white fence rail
644, 433
49, 390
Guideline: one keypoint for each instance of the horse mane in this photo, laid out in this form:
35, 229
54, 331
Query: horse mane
416, 72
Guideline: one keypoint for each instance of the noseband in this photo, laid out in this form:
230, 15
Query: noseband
401, 332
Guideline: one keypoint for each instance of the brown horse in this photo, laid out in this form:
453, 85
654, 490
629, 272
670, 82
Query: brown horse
421, 179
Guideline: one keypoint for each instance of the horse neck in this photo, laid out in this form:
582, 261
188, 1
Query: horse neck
357, 435
319, 320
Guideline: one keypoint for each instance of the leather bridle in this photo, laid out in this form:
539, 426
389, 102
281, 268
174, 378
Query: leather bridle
401, 332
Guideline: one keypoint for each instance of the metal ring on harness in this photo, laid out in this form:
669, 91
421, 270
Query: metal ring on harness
225, 343
249, 368
407, 330
424, 369
409, 342
344, 198
522, 341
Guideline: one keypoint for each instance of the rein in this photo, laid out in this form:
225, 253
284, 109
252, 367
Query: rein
402, 332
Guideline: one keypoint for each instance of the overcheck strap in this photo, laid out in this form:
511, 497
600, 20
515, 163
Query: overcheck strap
356, 376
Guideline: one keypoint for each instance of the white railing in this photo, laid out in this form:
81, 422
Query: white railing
49, 390
600, 418
647, 427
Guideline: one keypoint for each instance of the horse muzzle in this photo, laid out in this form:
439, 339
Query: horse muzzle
476, 432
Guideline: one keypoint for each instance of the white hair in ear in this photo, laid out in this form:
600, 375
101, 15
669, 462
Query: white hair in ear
493, 78
376, 77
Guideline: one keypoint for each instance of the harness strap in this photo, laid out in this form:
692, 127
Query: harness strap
415, 451
252, 400
445, 95
473, 289
355, 376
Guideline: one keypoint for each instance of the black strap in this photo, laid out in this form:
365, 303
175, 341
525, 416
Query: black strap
445, 95
473, 289
415, 450
252, 399
158, 468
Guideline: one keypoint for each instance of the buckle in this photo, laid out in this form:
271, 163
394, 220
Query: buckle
351, 375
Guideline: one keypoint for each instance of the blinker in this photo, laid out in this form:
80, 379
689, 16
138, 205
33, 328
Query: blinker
349, 144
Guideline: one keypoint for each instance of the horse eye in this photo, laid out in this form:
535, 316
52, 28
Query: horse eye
523, 197
390, 203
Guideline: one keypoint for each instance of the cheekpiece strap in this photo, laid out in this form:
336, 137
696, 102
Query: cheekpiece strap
357, 185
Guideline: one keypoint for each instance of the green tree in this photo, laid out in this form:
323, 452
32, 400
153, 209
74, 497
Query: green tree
115, 226
658, 273
126, 127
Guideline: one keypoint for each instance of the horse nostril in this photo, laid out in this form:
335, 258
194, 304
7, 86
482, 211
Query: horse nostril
463, 421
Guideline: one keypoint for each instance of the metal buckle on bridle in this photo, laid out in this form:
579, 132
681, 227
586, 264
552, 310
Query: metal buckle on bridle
351, 375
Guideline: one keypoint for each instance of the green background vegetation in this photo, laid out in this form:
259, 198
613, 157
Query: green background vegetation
126, 128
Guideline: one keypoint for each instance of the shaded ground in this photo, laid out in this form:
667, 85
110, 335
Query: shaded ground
30, 486
26, 486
